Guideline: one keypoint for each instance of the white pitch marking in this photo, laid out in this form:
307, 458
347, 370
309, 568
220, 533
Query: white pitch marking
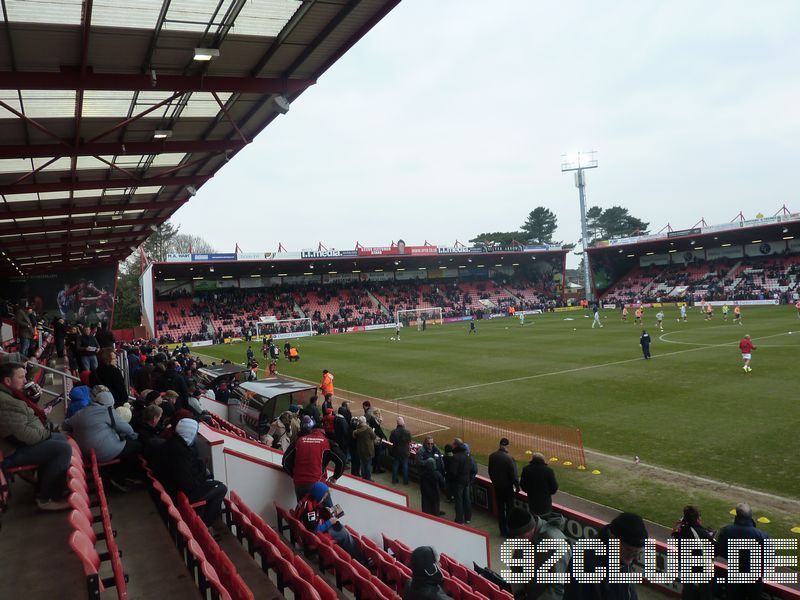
562, 372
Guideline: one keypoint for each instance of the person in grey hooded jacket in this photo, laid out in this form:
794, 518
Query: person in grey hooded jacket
98, 427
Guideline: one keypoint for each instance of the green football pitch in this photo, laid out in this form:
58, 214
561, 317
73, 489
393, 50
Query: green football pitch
690, 409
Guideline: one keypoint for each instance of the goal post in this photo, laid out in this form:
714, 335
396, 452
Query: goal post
414, 316
281, 329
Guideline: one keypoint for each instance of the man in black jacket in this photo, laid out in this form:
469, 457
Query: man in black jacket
538, 481
400, 438
503, 473
180, 469
461, 478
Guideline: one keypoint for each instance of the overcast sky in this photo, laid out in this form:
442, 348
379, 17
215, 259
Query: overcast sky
449, 119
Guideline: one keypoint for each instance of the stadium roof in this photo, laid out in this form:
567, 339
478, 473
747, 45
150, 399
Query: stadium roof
110, 120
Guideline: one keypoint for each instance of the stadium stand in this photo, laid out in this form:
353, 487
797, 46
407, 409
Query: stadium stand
336, 307
752, 278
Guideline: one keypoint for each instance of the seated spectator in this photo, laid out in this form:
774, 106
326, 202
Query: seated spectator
742, 528
109, 375
26, 439
426, 576
98, 427
315, 511
150, 429
180, 469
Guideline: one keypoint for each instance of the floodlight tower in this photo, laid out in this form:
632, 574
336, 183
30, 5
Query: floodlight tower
578, 162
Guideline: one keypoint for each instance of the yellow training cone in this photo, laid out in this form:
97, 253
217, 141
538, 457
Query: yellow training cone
553, 459
581, 467
763, 520
567, 463
733, 512
528, 452
795, 529
595, 472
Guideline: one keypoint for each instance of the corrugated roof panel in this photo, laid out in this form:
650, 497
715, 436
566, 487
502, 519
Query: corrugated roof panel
139, 14
203, 105
63, 12
265, 18
106, 103
41, 104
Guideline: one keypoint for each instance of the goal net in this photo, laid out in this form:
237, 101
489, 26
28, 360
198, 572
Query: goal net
415, 316
283, 328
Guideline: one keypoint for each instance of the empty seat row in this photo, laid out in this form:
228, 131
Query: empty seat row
213, 573
292, 573
84, 538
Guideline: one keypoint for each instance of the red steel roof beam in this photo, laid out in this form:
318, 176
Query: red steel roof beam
66, 80
61, 186
120, 148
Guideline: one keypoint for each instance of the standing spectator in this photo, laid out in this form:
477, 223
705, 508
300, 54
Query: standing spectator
328, 420
326, 386
365, 446
282, 430
503, 473
400, 438
742, 528
105, 337
355, 459
342, 433
447, 463
87, 347
689, 527
629, 529
312, 410
538, 481
25, 440
180, 469
150, 428
98, 427
109, 375
426, 577
644, 341
306, 460
431, 482
431, 450
24, 324
374, 420
521, 525
462, 475
59, 334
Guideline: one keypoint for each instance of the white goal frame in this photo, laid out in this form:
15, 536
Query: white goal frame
282, 329
412, 316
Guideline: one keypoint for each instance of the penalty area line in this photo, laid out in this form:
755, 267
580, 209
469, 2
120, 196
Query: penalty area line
564, 371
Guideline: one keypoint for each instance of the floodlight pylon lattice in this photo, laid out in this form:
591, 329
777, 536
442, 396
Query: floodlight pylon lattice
578, 162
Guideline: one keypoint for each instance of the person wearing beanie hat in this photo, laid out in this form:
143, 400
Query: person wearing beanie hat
98, 427
523, 525
538, 481
745, 528
505, 482
306, 424
179, 468
631, 532
315, 511
426, 576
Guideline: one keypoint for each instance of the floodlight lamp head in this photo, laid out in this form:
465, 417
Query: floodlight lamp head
205, 54
281, 103
575, 161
